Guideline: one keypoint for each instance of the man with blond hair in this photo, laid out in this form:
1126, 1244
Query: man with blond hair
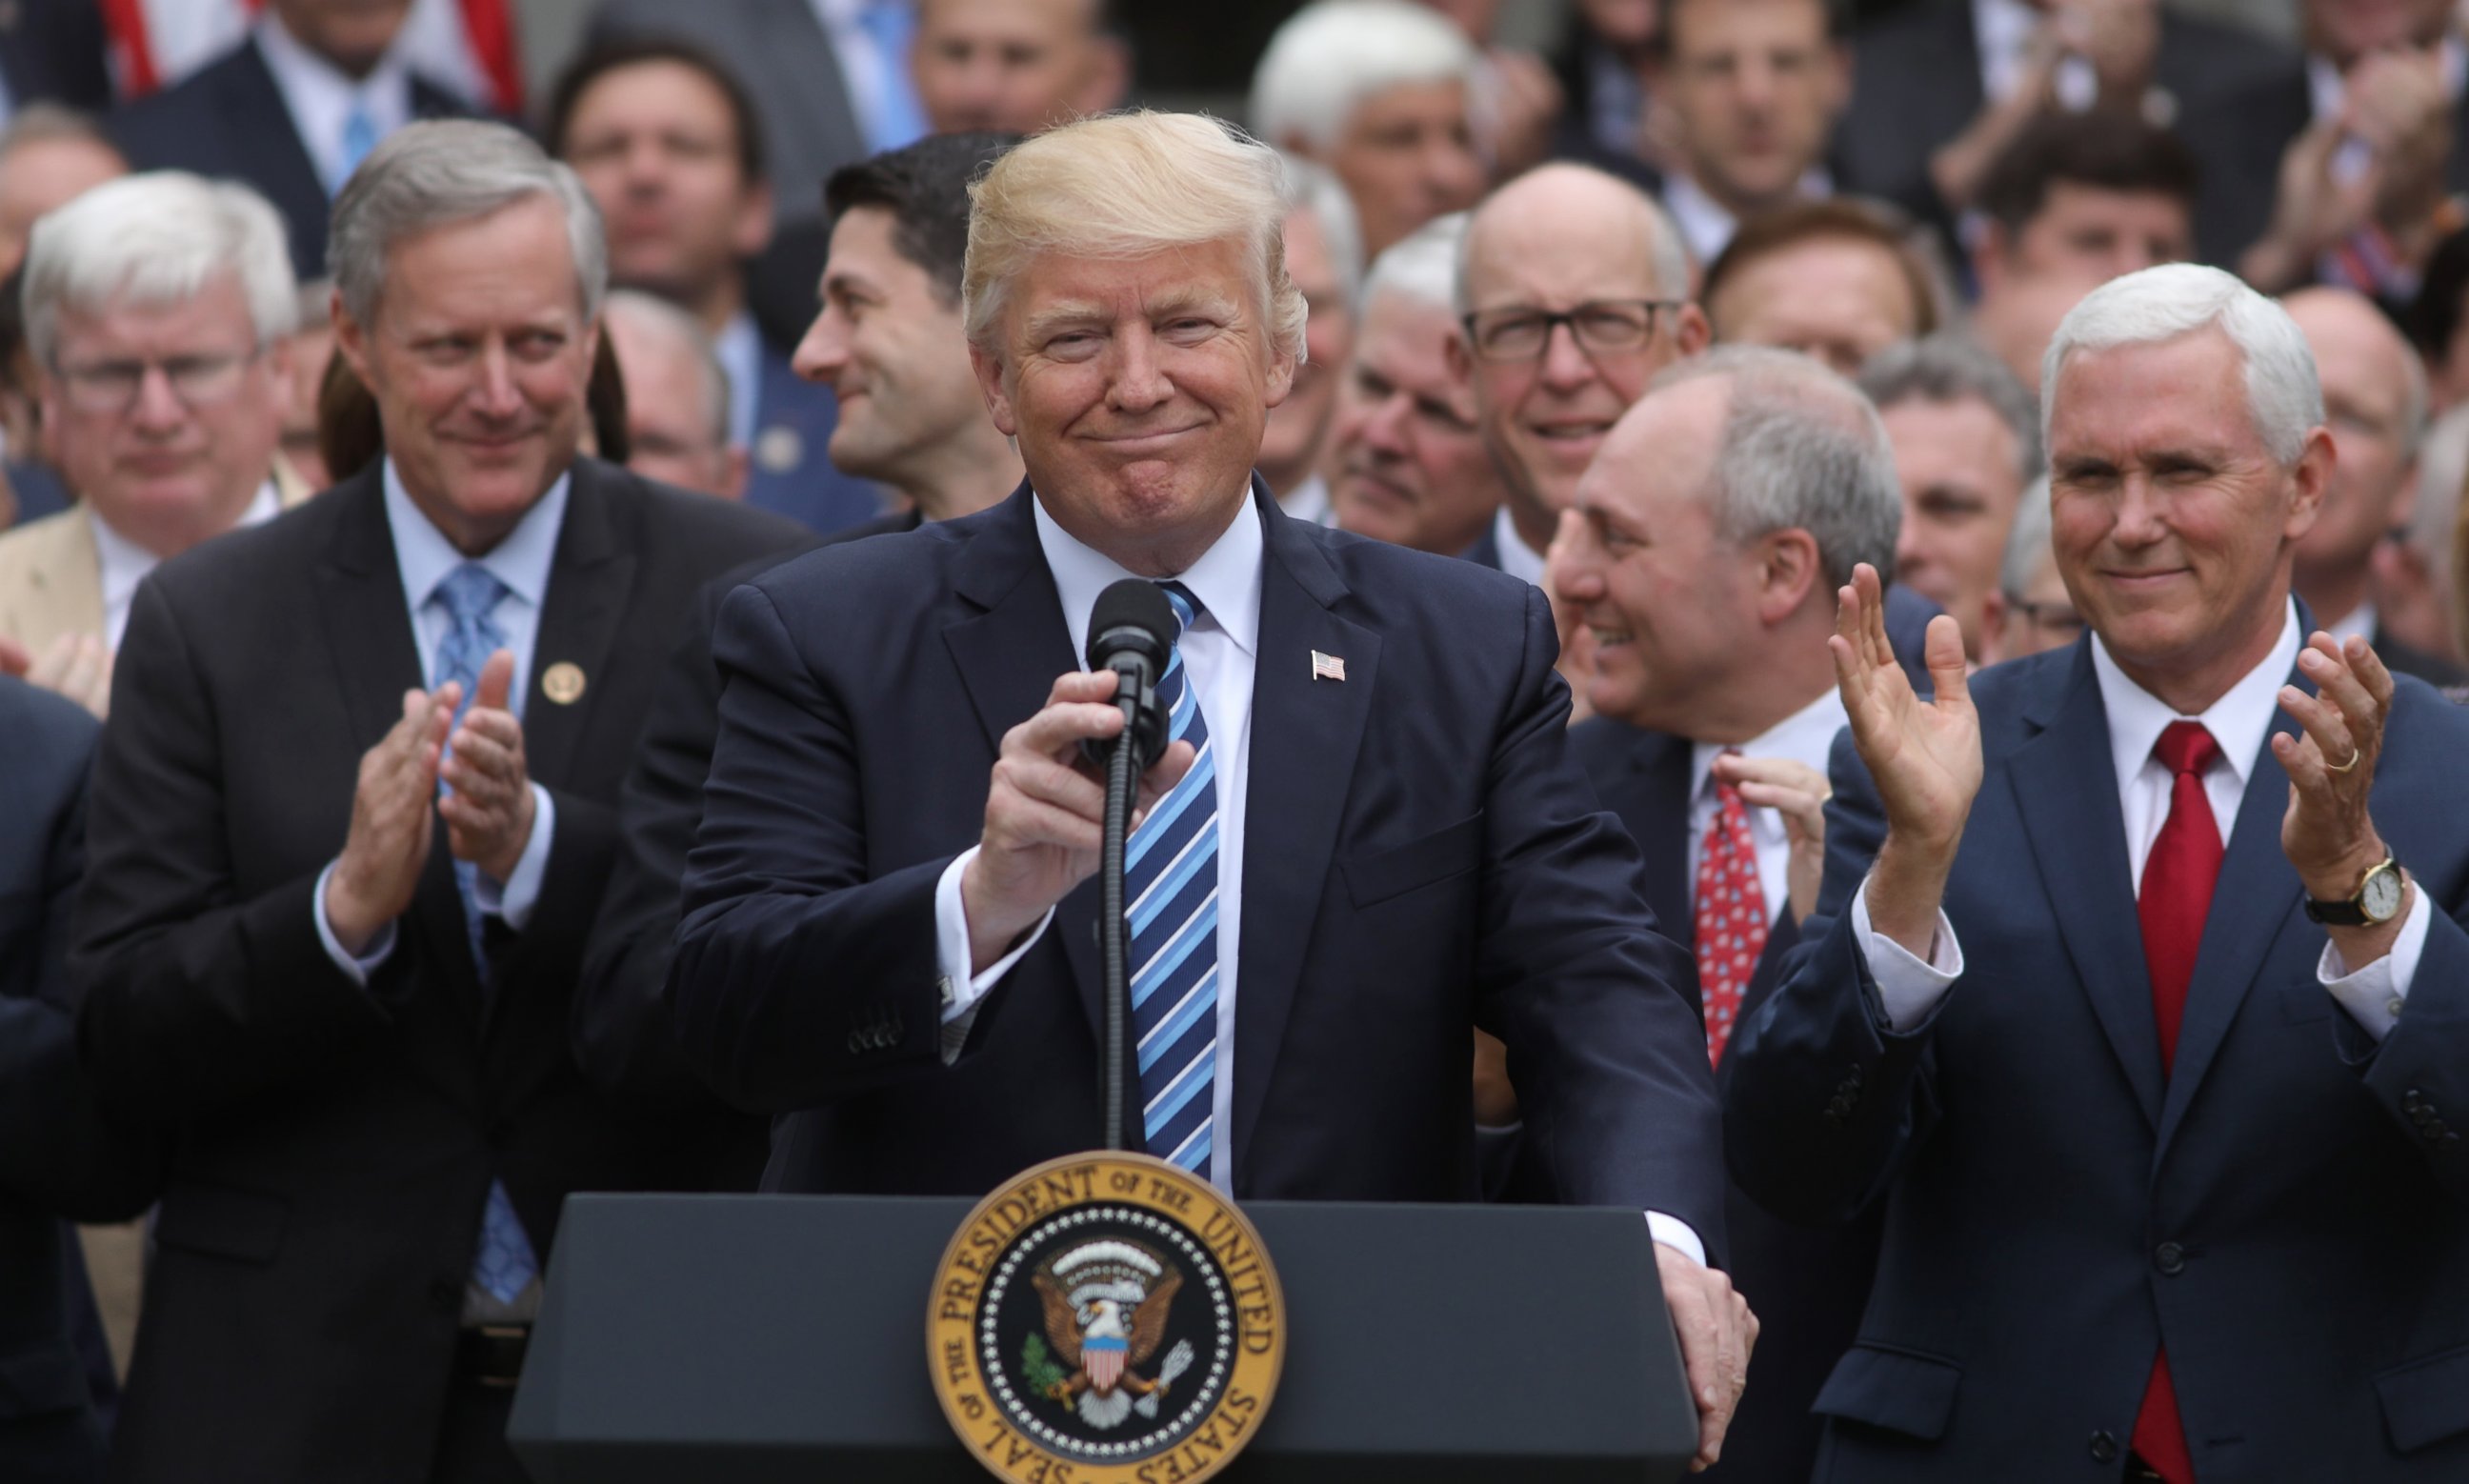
896, 839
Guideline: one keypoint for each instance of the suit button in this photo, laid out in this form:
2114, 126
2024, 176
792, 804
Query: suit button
1838, 1109
2412, 1100
2169, 1258
2104, 1449
446, 1296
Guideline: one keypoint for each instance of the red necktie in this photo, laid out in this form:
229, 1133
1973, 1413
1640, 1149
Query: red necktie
2175, 898
1730, 916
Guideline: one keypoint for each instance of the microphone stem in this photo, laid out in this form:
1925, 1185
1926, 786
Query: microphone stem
1114, 933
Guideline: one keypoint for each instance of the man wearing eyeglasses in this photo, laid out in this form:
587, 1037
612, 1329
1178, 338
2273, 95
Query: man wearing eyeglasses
161, 308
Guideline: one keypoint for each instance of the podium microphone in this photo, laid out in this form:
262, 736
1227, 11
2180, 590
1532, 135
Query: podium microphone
1131, 632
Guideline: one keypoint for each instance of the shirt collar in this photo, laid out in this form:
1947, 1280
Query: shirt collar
2238, 721
1516, 558
521, 561
124, 564
305, 76
1225, 579
1807, 736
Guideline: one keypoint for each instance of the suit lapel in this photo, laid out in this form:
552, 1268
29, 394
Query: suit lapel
1652, 799
2252, 902
1304, 736
588, 586
2066, 788
258, 119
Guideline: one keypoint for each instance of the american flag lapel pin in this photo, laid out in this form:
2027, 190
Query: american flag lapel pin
1327, 667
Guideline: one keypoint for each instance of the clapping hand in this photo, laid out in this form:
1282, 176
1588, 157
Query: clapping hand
489, 815
1798, 793
2327, 832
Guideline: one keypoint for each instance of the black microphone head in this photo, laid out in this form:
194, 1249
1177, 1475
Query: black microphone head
1132, 616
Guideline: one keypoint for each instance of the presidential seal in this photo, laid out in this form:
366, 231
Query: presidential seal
1105, 1319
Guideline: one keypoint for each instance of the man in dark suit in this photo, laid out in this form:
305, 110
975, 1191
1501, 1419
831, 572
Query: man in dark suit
291, 111
889, 333
670, 146
2374, 389
53, 50
1724, 511
887, 911
58, 1157
2175, 1191
351, 826
1928, 146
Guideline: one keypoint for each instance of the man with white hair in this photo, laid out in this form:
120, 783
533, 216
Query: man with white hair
1377, 91
1326, 940
677, 396
1725, 509
349, 826
1407, 454
2374, 393
2176, 1192
161, 307
1325, 259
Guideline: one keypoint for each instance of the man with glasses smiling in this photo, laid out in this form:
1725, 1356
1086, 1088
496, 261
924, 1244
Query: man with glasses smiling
163, 307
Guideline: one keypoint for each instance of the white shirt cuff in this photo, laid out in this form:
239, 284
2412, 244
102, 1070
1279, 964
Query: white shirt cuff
1676, 1234
1906, 987
963, 991
356, 970
2373, 995
512, 903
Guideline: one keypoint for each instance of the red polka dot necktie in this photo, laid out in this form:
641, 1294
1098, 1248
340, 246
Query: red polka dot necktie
2175, 899
1730, 916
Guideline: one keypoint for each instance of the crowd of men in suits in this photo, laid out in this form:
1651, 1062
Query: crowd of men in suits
545, 661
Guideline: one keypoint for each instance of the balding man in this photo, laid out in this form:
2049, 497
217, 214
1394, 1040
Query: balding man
676, 397
2374, 393
1409, 460
1829, 279
1709, 539
1014, 66
1317, 997
2137, 991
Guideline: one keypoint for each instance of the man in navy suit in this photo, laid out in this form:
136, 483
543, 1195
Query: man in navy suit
1367, 828
291, 111
2175, 1191
58, 1157
1711, 532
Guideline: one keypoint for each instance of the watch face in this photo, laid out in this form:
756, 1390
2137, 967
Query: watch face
2381, 898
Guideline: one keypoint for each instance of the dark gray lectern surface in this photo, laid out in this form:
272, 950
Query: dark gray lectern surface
726, 1338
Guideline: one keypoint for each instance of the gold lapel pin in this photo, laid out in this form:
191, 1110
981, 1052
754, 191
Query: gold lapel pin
563, 683
1327, 667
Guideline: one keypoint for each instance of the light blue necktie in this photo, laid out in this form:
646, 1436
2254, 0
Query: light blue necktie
504, 1265
891, 25
1170, 885
359, 137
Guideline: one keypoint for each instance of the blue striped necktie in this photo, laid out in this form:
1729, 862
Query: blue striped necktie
1170, 881
504, 1265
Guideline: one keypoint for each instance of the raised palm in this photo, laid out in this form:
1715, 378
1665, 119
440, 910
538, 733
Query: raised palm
1925, 756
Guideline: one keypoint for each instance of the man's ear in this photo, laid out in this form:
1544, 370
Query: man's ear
751, 232
1789, 571
1993, 625
2309, 482
990, 385
352, 341
1693, 332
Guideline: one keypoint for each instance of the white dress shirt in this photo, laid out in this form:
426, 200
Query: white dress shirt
738, 350
2239, 721
124, 564
1310, 504
1220, 653
2003, 31
321, 99
522, 561
1707, 227
1805, 737
1516, 558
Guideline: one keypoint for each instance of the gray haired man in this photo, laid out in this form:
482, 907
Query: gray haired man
349, 830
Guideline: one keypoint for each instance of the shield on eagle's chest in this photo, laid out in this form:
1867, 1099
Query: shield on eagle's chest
1105, 1359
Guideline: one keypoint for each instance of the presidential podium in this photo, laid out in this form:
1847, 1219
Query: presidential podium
729, 1339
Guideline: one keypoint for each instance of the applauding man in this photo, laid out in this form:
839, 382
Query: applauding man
2174, 1192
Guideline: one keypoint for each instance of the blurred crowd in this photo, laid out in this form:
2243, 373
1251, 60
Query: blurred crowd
776, 197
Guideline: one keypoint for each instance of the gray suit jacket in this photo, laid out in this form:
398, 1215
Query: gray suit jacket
779, 51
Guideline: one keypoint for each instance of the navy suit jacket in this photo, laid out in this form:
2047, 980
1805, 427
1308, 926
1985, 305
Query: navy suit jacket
1806, 1284
228, 120
58, 1157
53, 50
1421, 857
2285, 1210
789, 471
